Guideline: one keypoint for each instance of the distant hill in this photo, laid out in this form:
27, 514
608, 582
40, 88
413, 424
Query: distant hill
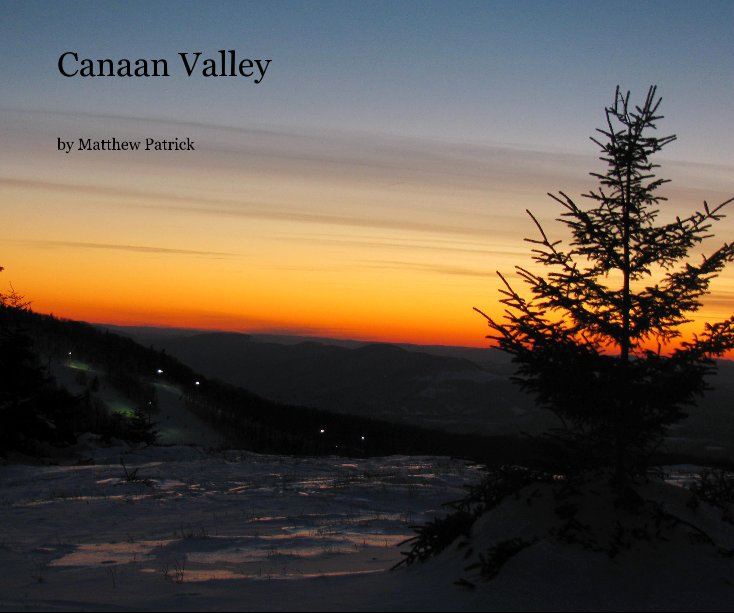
114, 383
458, 389
442, 389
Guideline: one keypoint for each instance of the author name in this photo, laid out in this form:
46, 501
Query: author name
114, 144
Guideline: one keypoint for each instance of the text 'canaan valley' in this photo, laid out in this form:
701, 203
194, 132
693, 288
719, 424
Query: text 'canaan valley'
225, 63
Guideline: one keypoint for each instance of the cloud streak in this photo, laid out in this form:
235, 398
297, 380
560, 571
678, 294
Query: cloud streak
333, 178
430, 268
245, 210
115, 247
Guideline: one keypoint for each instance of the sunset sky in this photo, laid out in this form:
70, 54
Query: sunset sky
369, 187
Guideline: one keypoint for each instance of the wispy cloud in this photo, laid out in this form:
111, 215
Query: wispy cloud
482, 247
115, 247
304, 144
242, 209
102, 191
430, 268
335, 178
377, 159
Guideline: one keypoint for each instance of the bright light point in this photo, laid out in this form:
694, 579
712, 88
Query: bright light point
363, 438
322, 430
70, 353
159, 371
196, 383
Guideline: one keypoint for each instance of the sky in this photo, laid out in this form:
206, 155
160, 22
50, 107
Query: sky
368, 187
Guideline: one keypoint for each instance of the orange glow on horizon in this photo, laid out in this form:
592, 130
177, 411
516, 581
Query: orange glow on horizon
468, 331
344, 236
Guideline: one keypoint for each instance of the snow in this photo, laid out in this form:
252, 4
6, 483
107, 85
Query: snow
211, 530
606, 558
241, 531
174, 422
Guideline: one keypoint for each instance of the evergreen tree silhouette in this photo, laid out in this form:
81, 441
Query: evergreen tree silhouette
598, 340
21, 376
32, 407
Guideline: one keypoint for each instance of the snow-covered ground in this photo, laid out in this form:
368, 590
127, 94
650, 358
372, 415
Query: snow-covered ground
179, 528
176, 527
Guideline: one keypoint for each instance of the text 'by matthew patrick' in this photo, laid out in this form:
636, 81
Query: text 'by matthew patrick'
114, 144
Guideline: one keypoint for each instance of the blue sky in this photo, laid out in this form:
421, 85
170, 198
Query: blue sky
535, 74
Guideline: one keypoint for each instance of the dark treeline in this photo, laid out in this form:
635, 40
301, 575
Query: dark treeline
247, 420
35, 411
264, 426
32, 406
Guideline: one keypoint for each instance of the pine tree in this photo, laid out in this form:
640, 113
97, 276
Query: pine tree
598, 340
